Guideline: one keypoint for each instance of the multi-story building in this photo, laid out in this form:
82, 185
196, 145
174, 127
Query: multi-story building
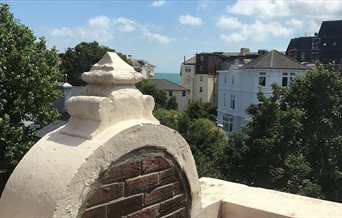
171, 89
199, 74
239, 84
324, 46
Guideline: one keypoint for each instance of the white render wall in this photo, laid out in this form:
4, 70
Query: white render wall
182, 101
245, 89
187, 78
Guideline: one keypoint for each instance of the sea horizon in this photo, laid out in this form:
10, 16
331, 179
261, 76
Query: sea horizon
173, 77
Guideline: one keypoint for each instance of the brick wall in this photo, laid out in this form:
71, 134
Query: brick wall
142, 184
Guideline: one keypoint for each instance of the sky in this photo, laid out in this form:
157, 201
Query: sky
163, 32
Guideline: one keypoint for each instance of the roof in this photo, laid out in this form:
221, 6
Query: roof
191, 60
331, 28
274, 60
164, 84
140, 62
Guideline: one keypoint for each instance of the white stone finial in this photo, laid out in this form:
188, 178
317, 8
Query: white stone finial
110, 97
110, 70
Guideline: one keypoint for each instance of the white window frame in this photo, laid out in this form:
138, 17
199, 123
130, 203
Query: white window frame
228, 123
262, 75
232, 101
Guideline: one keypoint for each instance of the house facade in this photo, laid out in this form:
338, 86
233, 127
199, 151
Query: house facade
143, 67
240, 81
172, 89
324, 46
199, 74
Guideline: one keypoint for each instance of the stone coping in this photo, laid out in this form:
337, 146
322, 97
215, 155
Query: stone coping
227, 199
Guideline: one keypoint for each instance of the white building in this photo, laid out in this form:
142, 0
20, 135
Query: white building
238, 85
172, 89
199, 73
143, 67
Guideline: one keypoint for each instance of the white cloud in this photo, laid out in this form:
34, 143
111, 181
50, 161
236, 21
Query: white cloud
64, 31
101, 29
124, 25
266, 9
158, 3
228, 23
205, 5
190, 20
258, 31
156, 37
99, 21
275, 18
294, 23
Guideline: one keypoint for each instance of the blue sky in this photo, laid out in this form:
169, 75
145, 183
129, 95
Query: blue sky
163, 32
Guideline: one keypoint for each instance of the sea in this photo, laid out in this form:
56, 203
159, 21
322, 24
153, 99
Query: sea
173, 77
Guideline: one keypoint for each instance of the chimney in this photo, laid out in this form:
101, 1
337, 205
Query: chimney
244, 51
61, 103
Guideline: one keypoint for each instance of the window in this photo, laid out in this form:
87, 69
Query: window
284, 81
201, 89
232, 101
187, 69
202, 58
170, 93
334, 44
183, 93
303, 56
233, 79
200, 99
224, 99
291, 76
225, 79
201, 68
228, 123
201, 78
262, 79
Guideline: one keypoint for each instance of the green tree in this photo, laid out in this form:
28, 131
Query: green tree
198, 110
148, 88
319, 95
28, 78
79, 59
169, 118
207, 143
171, 103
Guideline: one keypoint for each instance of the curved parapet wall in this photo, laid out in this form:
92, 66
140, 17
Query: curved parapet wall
111, 159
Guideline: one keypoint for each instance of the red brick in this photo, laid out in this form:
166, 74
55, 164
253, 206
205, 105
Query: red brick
181, 213
178, 188
149, 212
124, 207
141, 184
98, 212
159, 194
168, 176
154, 164
173, 204
122, 172
106, 193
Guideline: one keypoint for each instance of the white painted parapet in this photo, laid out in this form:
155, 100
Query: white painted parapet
227, 199
111, 119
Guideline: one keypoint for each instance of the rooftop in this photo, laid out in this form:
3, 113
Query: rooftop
165, 84
274, 60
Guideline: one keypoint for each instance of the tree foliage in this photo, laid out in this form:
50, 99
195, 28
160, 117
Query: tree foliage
77, 60
148, 88
171, 103
28, 77
293, 142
